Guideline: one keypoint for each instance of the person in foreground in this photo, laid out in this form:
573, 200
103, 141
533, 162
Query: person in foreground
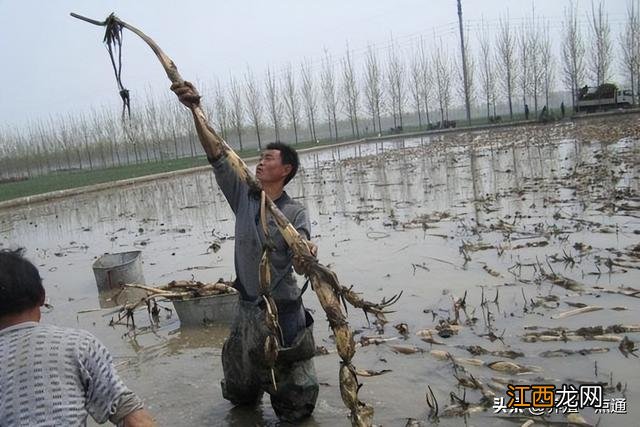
246, 373
52, 376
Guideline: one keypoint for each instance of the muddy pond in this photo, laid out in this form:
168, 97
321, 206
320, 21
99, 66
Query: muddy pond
510, 246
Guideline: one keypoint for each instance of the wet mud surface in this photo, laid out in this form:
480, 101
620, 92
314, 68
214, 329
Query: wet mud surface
517, 251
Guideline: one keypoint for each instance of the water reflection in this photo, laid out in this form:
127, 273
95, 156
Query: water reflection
175, 220
204, 337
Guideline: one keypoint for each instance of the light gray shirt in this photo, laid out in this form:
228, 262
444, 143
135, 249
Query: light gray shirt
52, 376
250, 237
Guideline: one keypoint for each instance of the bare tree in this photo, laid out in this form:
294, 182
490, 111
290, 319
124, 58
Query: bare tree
10, 156
525, 71
6, 159
373, 88
221, 109
71, 142
12, 153
415, 86
41, 150
465, 65
601, 42
151, 126
548, 63
573, 68
396, 85
110, 129
76, 138
328, 84
172, 116
254, 103
442, 73
189, 135
136, 135
97, 134
350, 93
165, 127
273, 102
507, 61
23, 157
487, 75
84, 130
62, 135
137, 128
32, 137
630, 43
237, 109
291, 99
637, 32
427, 79
309, 95
536, 67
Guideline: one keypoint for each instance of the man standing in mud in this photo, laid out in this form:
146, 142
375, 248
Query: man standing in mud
246, 372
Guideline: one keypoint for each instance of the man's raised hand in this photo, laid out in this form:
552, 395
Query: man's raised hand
187, 94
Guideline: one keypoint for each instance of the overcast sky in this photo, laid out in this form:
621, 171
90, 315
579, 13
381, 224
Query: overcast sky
53, 64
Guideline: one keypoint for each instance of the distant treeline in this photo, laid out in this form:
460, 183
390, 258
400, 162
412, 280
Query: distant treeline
387, 90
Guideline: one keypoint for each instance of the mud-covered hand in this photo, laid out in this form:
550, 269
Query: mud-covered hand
187, 94
301, 264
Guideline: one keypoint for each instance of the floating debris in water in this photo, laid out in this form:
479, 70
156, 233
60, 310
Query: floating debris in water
563, 352
512, 368
627, 347
577, 311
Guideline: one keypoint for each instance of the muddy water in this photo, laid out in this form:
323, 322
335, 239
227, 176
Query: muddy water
434, 218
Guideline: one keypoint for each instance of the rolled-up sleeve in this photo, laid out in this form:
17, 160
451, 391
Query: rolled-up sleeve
232, 186
106, 395
302, 224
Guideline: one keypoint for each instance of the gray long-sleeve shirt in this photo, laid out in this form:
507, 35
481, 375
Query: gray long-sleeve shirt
250, 238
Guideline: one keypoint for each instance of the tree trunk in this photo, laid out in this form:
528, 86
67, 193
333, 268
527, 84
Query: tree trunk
239, 132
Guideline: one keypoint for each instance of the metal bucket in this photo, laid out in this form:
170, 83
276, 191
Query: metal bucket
114, 270
218, 309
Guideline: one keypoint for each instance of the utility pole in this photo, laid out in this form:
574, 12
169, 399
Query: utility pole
465, 78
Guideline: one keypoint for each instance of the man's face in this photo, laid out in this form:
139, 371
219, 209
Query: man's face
270, 168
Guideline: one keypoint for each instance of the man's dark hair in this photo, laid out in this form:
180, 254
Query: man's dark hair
289, 156
20, 283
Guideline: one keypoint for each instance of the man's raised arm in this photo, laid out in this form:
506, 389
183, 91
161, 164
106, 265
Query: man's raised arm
232, 186
188, 95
